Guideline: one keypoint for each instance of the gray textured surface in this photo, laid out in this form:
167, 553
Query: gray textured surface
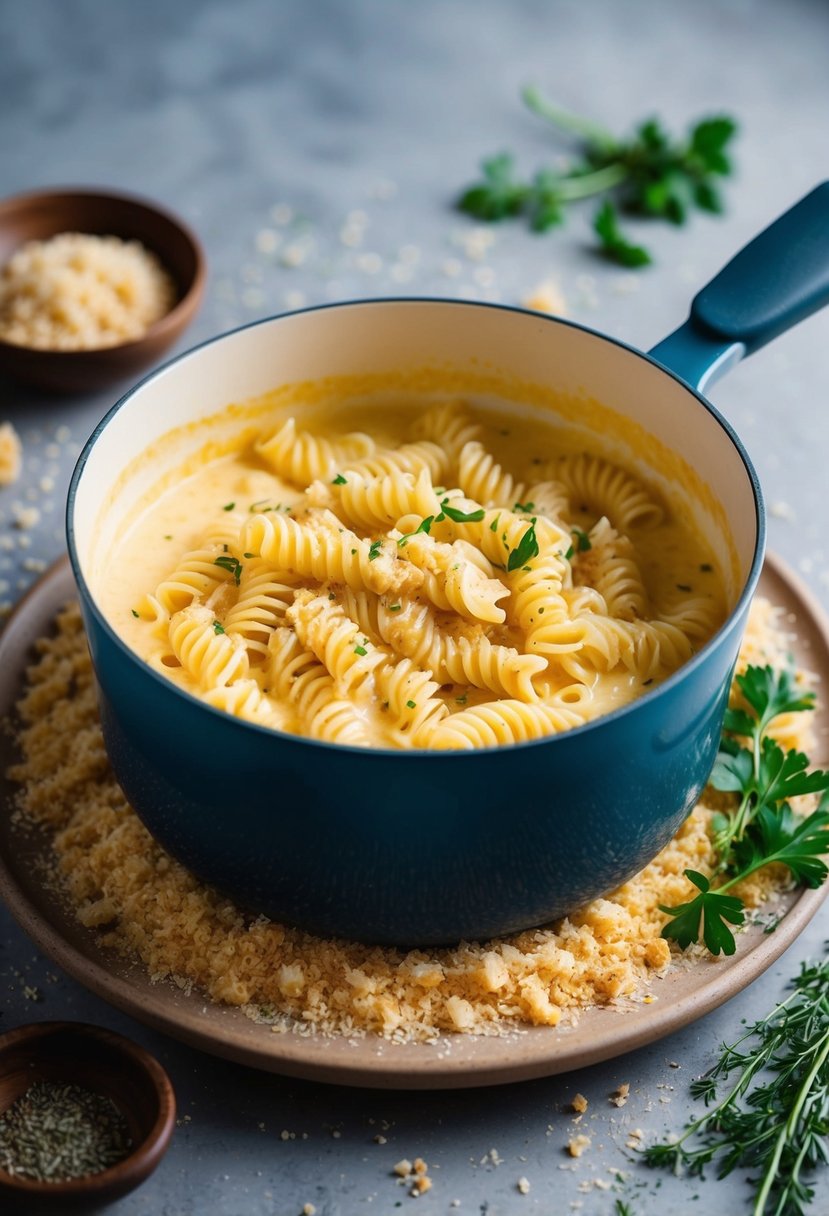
226, 111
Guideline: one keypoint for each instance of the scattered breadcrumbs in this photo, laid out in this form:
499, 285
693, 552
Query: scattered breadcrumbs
523, 1185
579, 1104
547, 297
620, 1096
147, 906
11, 452
577, 1145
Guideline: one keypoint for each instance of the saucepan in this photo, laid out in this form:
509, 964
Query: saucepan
434, 847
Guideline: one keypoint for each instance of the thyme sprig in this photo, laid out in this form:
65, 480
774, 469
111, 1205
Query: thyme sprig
648, 173
762, 828
774, 1118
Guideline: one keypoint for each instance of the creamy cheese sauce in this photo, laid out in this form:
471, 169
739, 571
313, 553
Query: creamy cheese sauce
638, 589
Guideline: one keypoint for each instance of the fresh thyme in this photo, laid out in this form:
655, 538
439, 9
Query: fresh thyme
762, 828
649, 174
773, 1120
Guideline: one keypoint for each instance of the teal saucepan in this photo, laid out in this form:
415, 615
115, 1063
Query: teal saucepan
432, 847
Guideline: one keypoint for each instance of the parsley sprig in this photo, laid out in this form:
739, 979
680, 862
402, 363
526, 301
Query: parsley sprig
649, 174
774, 1117
762, 828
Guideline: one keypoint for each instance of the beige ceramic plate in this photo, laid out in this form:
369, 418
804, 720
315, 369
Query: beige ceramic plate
458, 1061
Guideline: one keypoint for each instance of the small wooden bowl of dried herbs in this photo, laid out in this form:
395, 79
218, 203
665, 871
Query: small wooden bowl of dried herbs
85, 1116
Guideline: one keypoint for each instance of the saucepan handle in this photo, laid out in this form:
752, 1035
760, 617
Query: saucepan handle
778, 279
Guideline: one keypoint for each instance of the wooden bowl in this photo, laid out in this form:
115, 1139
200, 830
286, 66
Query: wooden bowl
97, 1059
45, 213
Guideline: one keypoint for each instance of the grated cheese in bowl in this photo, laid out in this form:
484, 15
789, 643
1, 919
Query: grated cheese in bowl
76, 291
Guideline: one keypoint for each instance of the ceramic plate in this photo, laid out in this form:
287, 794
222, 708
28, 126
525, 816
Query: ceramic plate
601, 1033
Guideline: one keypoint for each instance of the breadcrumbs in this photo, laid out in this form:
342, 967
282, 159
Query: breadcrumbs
577, 1145
147, 906
11, 454
579, 1104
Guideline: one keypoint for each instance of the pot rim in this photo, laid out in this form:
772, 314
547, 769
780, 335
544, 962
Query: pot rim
424, 754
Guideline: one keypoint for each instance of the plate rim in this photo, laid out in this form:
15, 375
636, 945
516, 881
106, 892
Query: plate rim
455, 1061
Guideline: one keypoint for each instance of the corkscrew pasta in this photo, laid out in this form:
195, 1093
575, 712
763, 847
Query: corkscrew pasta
414, 579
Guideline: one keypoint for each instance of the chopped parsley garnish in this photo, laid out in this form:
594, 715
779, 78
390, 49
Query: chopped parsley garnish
353, 551
526, 507
374, 550
339, 480
248, 555
493, 527
569, 554
134, 613
169, 536
228, 506
446, 512
459, 517
411, 705
462, 699
683, 587
395, 607
232, 565
706, 567
525, 550
425, 525
360, 650
582, 539
218, 627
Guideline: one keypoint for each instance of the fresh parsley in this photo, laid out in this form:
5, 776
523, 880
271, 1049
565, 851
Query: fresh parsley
761, 828
459, 517
525, 550
425, 525
232, 565
218, 627
339, 480
374, 550
582, 540
773, 1118
648, 173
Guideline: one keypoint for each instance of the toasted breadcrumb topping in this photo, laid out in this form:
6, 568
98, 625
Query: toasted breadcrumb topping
148, 907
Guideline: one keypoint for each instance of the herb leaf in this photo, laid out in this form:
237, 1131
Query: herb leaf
773, 1117
525, 550
613, 243
710, 910
425, 525
649, 173
460, 517
762, 829
231, 564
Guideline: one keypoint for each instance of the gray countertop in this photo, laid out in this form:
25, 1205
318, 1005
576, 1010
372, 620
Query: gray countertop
317, 147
